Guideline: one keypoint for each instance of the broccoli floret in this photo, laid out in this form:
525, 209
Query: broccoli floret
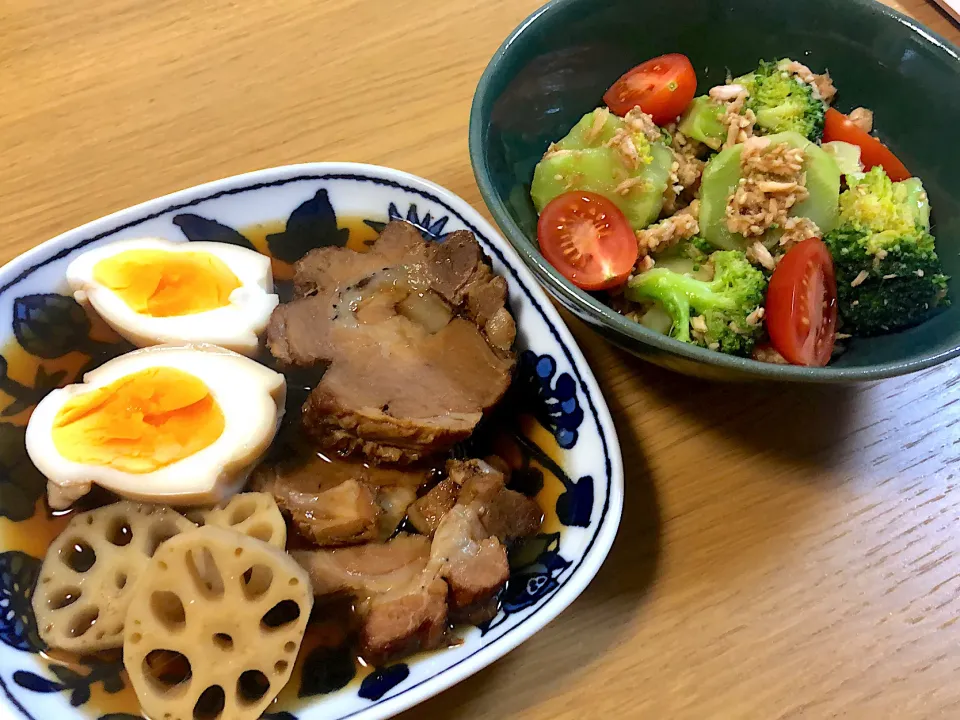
888, 274
736, 291
702, 245
781, 102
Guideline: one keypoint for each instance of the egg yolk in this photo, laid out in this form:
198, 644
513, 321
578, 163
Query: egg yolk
160, 283
139, 423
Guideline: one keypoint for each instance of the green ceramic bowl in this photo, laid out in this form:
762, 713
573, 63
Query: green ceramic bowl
556, 65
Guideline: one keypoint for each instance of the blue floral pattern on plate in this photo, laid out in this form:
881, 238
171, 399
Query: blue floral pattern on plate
48, 326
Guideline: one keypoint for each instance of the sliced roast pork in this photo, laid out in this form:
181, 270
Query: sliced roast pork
416, 336
410, 587
401, 602
334, 501
365, 571
504, 513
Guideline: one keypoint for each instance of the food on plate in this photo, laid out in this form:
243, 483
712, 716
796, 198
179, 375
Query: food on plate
174, 424
415, 337
88, 574
578, 225
661, 87
154, 291
214, 626
372, 496
745, 174
846, 128
802, 304
719, 312
888, 273
621, 159
250, 513
749, 192
336, 501
406, 590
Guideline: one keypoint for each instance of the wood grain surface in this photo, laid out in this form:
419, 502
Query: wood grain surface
784, 553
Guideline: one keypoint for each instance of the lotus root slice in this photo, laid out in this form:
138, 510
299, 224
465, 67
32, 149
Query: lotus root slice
215, 626
253, 513
91, 569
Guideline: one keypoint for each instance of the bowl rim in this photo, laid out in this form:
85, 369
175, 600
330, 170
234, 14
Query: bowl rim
581, 303
594, 552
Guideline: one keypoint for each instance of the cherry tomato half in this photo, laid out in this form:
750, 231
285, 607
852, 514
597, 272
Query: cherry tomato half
801, 309
662, 87
588, 240
837, 126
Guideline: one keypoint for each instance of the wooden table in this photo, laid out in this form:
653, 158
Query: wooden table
784, 552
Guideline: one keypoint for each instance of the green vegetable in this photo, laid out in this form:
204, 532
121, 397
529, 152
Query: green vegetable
887, 210
702, 121
722, 174
736, 290
587, 165
581, 137
781, 102
885, 246
846, 156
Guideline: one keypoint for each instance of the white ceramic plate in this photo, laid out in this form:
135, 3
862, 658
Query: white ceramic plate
305, 206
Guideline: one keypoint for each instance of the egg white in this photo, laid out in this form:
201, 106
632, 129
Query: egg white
236, 326
250, 395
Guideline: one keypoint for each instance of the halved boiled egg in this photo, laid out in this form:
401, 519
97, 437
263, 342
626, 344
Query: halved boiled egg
155, 291
179, 425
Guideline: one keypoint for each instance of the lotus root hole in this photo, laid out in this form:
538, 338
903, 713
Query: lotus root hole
281, 667
78, 556
243, 510
83, 621
280, 615
89, 519
238, 552
64, 598
204, 572
119, 533
159, 534
262, 532
290, 646
256, 581
167, 671
210, 704
223, 641
135, 638
168, 609
121, 580
293, 582
252, 685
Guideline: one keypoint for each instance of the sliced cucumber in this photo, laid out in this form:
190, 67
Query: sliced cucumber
722, 174
587, 165
917, 197
703, 121
581, 136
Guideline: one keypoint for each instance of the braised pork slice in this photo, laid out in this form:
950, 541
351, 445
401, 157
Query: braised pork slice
473, 563
402, 623
402, 604
365, 571
338, 501
426, 513
504, 513
416, 336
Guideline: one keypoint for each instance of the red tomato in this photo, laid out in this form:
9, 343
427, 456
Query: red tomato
588, 240
837, 126
801, 309
662, 87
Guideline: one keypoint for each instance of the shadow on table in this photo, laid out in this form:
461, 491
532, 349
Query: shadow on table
801, 423
591, 625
